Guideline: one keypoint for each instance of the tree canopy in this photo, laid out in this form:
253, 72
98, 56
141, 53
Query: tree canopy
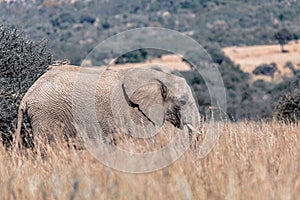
283, 37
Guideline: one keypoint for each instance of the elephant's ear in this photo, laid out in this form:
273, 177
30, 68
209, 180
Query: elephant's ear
146, 103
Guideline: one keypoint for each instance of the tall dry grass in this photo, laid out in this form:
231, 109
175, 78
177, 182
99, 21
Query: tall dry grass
252, 160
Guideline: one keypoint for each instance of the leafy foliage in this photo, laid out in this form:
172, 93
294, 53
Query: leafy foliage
265, 69
22, 62
283, 36
133, 57
288, 108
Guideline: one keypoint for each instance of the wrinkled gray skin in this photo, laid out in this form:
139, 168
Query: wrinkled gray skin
49, 102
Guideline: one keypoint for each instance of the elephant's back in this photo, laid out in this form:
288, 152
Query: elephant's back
48, 99
54, 81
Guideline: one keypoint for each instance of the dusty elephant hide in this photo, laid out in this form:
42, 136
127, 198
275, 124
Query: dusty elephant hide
56, 101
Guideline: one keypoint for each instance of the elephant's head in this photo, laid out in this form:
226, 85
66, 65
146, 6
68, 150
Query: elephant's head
144, 100
154, 103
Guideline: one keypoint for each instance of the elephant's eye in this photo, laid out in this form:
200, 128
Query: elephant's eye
164, 91
182, 102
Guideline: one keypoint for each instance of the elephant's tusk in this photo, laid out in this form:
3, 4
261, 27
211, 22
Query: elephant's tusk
192, 128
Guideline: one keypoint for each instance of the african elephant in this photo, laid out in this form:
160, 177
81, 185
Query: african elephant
125, 100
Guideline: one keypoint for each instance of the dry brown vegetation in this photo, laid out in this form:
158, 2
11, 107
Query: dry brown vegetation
172, 62
252, 160
249, 57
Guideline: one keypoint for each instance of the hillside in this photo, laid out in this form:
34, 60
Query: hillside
74, 28
249, 57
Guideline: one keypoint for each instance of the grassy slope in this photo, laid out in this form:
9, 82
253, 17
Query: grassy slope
250, 161
249, 57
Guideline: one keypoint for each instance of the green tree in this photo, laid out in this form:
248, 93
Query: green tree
283, 36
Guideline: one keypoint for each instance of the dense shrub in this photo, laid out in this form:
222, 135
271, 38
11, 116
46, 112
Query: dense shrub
87, 18
265, 69
288, 108
283, 36
22, 62
133, 57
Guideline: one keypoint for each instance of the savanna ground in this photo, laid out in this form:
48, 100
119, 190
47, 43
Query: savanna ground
249, 57
252, 160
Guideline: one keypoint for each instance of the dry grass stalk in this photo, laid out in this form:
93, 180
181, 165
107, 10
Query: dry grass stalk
252, 160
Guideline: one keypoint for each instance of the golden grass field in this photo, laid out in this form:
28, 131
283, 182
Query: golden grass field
249, 57
171, 62
252, 160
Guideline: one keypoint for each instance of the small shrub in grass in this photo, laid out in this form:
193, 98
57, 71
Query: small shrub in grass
288, 107
22, 62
